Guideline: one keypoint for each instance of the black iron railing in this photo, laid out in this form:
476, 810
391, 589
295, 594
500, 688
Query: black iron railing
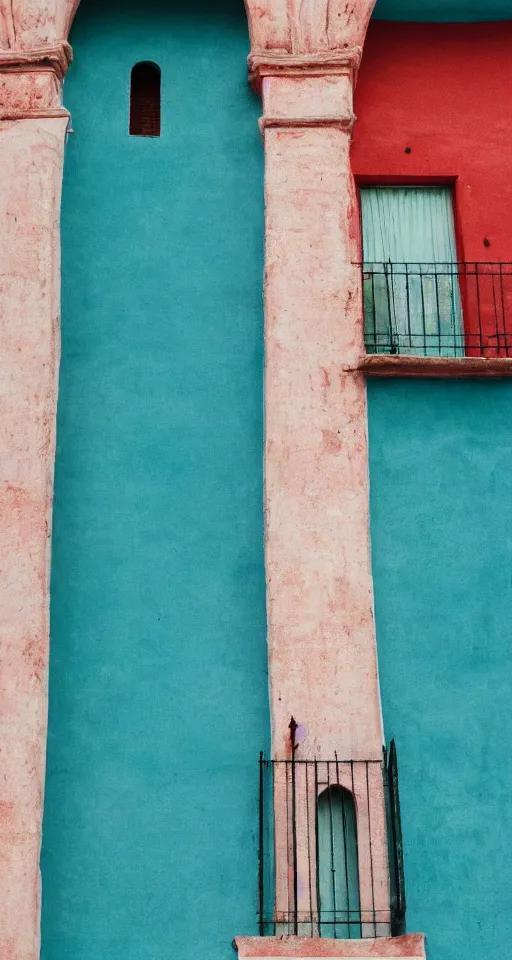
330, 848
438, 309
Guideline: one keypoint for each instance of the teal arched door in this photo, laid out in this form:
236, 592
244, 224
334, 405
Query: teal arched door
338, 869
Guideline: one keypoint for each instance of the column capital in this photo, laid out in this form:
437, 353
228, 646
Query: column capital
31, 81
312, 91
307, 33
56, 56
323, 64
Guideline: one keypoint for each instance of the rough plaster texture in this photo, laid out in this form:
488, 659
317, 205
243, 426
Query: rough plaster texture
309, 97
28, 90
406, 947
320, 595
29, 310
32, 23
32, 132
321, 633
280, 25
313, 27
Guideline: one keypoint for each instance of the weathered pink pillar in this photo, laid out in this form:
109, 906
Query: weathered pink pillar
32, 133
322, 649
321, 631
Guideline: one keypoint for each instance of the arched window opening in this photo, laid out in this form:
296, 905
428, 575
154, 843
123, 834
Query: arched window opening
145, 84
338, 871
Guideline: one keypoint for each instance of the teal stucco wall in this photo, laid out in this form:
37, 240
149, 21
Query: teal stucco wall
441, 525
158, 685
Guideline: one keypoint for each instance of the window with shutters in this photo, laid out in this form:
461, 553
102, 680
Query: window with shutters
412, 299
145, 100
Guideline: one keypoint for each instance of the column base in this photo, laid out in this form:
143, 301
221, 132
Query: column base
408, 947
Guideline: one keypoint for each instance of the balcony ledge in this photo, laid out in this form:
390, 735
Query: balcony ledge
408, 947
388, 365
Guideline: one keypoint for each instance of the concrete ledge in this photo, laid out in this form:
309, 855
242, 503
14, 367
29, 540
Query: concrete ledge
384, 365
58, 56
409, 947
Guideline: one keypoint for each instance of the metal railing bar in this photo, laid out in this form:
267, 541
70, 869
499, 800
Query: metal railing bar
294, 848
309, 852
333, 870
371, 857
461, 317
317, 849
299, 862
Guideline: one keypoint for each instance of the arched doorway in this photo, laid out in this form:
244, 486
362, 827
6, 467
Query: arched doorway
158, 688
338, 868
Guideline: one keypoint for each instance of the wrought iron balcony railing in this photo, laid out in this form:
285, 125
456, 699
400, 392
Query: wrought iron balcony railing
438, 309
330, 848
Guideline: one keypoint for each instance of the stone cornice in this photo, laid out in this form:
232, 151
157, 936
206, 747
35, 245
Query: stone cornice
56, 56
327, 63
459, 368
340, 122
31, 82
407, 947
55, 113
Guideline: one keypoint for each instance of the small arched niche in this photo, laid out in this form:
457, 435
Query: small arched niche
338, 871
145, 109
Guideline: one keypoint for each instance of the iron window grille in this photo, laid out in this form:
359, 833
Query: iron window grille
438, 309
330, 848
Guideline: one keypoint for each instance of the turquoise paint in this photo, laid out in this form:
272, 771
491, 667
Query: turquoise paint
158, 697
441, 525
442, 11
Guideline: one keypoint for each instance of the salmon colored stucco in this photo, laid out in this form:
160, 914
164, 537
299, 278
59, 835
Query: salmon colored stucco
322, 658
304, 948
29, 308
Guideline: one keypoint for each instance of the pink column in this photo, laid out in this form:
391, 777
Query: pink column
321, 631
32, 133
322, 650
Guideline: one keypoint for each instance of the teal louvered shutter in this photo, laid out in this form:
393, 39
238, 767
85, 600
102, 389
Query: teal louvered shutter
338, 868
411, 289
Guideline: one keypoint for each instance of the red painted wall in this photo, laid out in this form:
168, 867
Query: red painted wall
445, 92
